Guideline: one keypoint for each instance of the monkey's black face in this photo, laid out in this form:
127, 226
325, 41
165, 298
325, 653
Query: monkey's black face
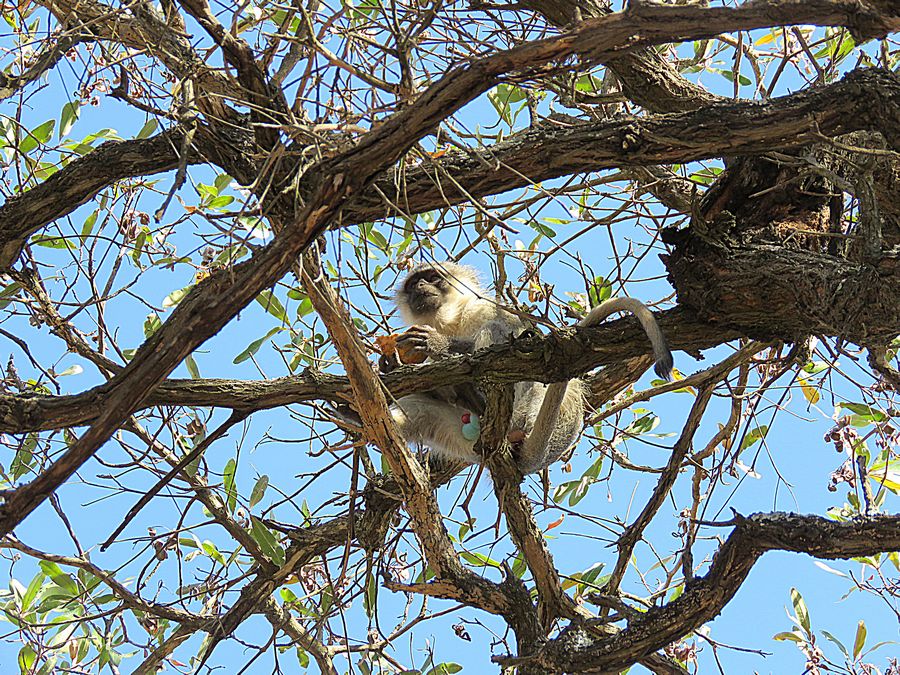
425, 291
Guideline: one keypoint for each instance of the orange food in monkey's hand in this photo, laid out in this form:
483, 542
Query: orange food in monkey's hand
387, 345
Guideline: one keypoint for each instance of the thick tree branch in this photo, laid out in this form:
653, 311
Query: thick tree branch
647, 78
144, 29
81, 179
574, 651
533, 156
563, 355
379, 428
864, 99
415, 486
769, 291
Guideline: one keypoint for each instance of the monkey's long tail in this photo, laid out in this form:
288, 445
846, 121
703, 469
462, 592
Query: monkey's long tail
535, 451
661, 351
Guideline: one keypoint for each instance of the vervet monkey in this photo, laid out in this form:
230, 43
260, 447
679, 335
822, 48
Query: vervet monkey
449, 314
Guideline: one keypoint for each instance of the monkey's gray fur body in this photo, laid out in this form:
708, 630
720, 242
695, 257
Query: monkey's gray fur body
449, 312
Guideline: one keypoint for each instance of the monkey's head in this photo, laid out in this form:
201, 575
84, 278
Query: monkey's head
431, 290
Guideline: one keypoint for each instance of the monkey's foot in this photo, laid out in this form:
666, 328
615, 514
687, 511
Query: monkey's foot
516, 436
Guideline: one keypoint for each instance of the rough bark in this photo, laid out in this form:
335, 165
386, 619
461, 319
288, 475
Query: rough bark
576, 651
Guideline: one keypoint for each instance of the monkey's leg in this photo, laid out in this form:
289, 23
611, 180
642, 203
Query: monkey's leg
436, 424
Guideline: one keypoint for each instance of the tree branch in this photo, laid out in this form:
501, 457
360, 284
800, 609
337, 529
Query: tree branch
574, 651
81, 179
863, 99
555, 357
205, 310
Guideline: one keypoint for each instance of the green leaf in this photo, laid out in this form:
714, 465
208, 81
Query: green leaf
519, 567
304, 308
104, 134
210, 549
894, 557
502, 97
840, 645
31, 592
54, 242
479, 559
543, 230
729, 75
175, 297
580, 490
793, 637
272, 305
207, 191
642, 425
754, 436
231, 254
371, 596
887, 475
255, 227
588, 83
40, 134
60, 578
24, 457
192, 368
600, 290
26, 659
222, 181
263, 536
302, 658
589, 576
230, 488
152, 324
375, 237
860, 640
68, 117
139, 243
564, 489
445, 669
148, 128
220, 202
865, 413
8, 293
254, 346
800, 609
815, 367
88, 225
259, 490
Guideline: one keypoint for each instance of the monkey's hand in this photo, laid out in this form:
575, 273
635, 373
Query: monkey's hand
387, 364
421, 342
